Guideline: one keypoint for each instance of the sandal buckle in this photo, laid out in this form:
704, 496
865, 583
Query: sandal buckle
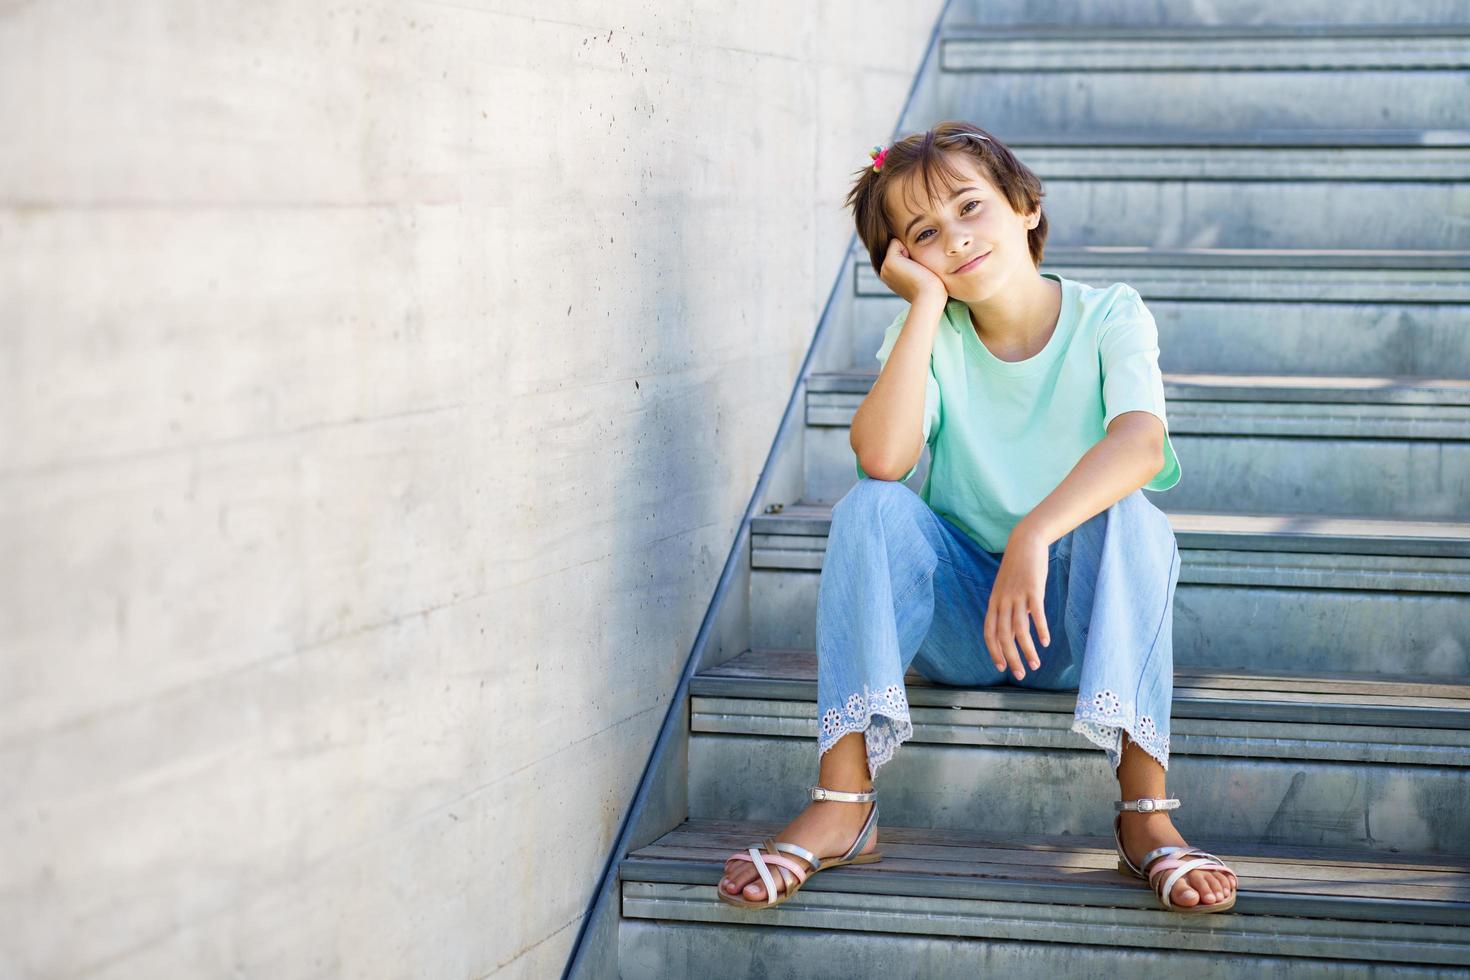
1147, 804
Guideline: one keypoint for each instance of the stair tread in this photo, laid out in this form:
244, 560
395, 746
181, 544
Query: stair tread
1261, 258
1248, 258
1244, 386
1072, 32
1310, 525
1307, 532
1437, 702
1081, 870
1255, 139
1320, 387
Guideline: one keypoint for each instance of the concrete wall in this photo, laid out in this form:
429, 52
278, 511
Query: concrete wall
381, 388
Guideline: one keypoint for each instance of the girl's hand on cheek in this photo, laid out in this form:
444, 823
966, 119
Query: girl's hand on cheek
908, 278
1019, 590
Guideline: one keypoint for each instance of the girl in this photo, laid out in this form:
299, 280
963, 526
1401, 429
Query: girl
1043, 404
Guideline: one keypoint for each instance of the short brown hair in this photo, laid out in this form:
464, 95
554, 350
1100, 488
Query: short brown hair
924, 152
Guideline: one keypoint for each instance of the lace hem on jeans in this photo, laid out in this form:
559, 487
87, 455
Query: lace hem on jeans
1101, 720
865, 712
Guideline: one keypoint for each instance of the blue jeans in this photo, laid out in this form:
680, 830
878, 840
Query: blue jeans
902, 585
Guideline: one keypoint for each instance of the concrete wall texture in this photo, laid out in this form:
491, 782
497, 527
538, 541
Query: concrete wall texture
382, 385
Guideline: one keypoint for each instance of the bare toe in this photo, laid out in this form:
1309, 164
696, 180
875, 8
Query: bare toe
756, 889
1186, 892
737, 881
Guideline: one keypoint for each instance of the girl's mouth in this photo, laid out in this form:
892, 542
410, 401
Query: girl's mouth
973, 263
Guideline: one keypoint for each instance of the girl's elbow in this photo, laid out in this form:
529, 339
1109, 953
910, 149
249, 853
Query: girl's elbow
879, 469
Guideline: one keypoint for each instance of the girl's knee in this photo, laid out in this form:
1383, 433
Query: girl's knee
1133, 516
870, 494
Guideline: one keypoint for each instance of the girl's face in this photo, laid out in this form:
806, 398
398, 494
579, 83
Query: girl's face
972, 219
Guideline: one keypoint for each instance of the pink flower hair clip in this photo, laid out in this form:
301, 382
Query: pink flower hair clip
877, 153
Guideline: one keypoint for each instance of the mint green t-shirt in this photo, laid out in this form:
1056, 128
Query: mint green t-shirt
1004, 434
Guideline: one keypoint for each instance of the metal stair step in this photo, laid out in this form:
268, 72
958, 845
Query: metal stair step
1258, 592
1290, 443
1131, 188
1039, 48
1250, 275
1056, 77
1388, 701
1261, 140
1258, 757
1282, 534
1405, 389
1381, 393
1391, 313
1053, 891
1256, 13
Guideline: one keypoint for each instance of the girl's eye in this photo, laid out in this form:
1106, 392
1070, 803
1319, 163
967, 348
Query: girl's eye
965, 210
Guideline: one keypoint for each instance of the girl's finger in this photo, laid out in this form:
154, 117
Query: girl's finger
992, 646
1006, 627
1023, 633
1038, 607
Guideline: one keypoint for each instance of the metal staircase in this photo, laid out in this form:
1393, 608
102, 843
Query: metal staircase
1293, 203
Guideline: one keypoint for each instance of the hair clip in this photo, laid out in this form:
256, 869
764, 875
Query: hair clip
877, 153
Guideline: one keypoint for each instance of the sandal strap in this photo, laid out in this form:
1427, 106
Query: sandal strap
761, 868
1147, 804
1172, 868
1122, 854
1159, 852
822, 793
796, 849
864, 834
1183, 868
758, 857
816, 862
1141, 869
1195, 852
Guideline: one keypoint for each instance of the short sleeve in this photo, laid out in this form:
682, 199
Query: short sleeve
931, 392
1131, 380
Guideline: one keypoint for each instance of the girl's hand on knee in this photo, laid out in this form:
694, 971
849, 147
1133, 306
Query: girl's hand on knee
1019, 591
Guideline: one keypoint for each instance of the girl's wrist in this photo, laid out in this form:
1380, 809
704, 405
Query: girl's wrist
1026, 531
934, 297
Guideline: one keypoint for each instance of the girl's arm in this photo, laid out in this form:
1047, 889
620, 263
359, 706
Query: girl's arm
1121, 462
888, 428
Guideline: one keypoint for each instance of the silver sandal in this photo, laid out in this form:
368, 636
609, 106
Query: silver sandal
773, 855
1169, 858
